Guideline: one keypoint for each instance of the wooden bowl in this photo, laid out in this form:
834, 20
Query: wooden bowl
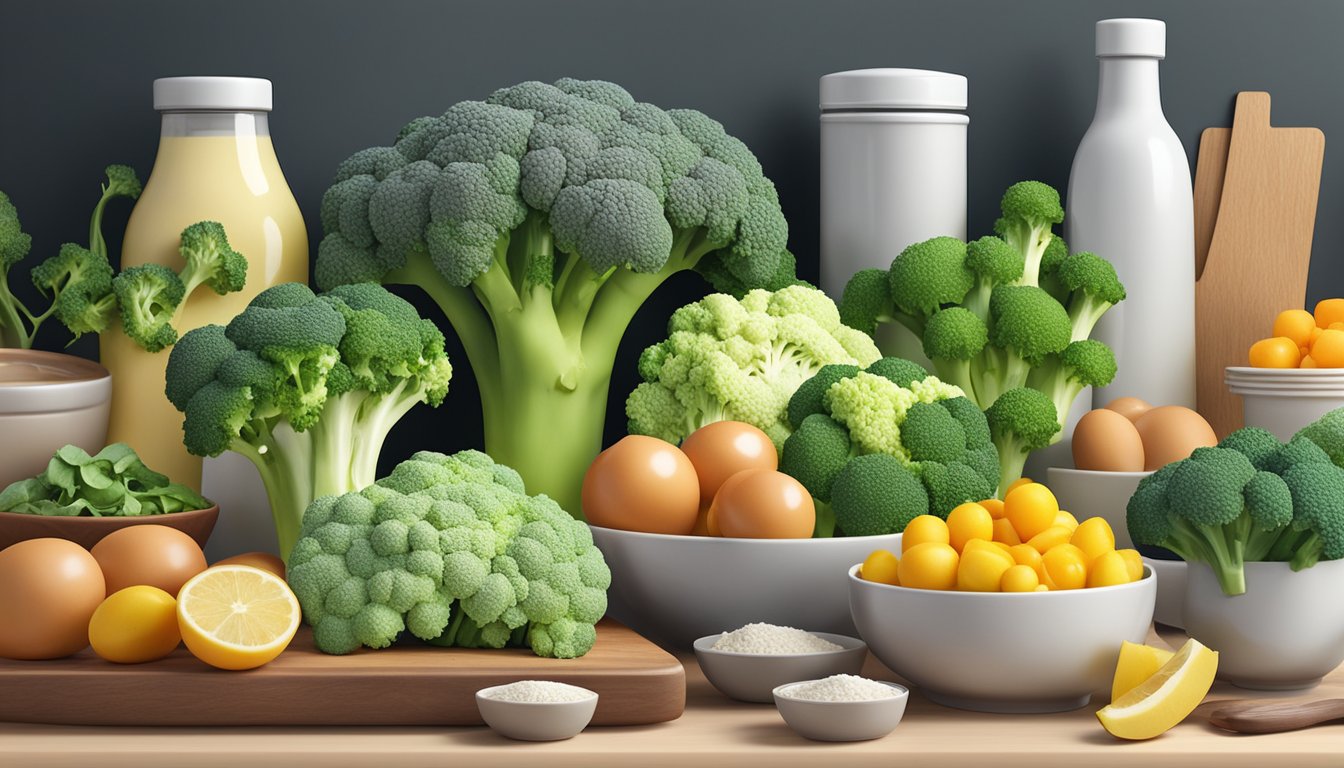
87, 531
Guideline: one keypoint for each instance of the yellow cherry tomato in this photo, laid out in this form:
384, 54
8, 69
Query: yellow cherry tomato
929, 566
1295, 324
1042, 588
1065, 566
1065, 519
1108, 570
1328, 351
925, 529
1095, 537
1050, 538
1019, 578
1134, 562
1031, 508
1018, 483
969, 521
1025, 554
995, 507
1005, 532
994, 548
882, 567
1308, 361
980, 569
1329, 311
1276, 352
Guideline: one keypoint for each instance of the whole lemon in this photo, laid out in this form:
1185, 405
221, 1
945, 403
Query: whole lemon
134, 625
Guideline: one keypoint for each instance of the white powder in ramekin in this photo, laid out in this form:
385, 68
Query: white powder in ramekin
772, 640
842, 688
538, 692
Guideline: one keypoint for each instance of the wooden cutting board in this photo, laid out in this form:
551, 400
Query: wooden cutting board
1255, 211
407, 684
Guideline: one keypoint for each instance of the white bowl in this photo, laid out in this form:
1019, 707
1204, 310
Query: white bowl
673, 589
841, 720
755, 676
1003, 652
1286, 632
1170, 590
1088, 493
535, 721
1284, 400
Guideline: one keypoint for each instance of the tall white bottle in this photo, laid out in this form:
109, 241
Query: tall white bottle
1130, 201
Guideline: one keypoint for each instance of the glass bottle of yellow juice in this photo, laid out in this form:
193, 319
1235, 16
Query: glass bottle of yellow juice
215, 162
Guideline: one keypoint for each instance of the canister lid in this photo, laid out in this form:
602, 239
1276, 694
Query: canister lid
892, 89
241, 94
1132, 37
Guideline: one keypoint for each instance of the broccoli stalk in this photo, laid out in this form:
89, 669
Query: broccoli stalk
78, 280
1062, 377
307, 388
540, 221
1021, 420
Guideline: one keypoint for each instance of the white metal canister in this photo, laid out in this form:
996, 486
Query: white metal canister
893, 166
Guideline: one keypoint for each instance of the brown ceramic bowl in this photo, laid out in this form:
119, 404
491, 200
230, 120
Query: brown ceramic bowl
88, 530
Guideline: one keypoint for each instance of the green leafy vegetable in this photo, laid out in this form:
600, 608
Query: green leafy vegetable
113, 483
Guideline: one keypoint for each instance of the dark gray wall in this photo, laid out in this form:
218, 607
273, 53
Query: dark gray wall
348, 74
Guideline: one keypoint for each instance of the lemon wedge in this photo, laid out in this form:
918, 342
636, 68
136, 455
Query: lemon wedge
237, 616
1162, 701
1137, 663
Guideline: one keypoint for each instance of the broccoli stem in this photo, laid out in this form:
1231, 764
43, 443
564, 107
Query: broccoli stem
1012, 458
1084, 312
1211, 546
13, 332
825, 525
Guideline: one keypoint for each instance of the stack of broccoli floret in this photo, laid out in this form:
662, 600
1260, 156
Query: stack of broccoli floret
1252, 498
453, 549
1004, 318
880, 446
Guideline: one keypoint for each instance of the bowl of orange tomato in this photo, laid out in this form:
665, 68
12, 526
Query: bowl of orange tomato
1295, 375
1008, 606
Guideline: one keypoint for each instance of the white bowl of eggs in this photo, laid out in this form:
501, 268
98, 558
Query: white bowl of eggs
709, 537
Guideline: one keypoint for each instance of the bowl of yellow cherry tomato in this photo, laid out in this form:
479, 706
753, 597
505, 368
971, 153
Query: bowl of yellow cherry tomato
1295, 375
1005, 606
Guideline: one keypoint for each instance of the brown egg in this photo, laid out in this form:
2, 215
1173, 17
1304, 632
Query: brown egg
722, 449
263, 560
642, 484
763, 504
1106, 441
155, 555
1129, 407
49, 589
1171, 433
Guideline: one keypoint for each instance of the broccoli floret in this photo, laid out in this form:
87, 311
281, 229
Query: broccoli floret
540, 220
875, 495
952, 338
80, 284
1317, 531
867, 301
1256, 444
307, 388
1093, 288
451, 549
1029, 326
1328, 433
809, 397
210, 260
1296, 451
122, 181
993, 262
1030, 210
1020, 421
149, 296
740, 360
927, 427
1086, 363
928, 275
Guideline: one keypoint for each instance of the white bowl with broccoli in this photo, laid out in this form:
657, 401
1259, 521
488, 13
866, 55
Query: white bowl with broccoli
674, 589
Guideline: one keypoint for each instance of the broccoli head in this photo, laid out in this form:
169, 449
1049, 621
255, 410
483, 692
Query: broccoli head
1021, 420
1030, 211
307, 388
149, 296
740, 360
540, 219
934, 446
451, 549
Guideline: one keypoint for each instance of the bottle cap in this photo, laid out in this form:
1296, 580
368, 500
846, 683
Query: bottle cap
892, 89
226, 94
1145, 38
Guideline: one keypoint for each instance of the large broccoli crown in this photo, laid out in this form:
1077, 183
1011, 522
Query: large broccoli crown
740, 359
453, 550
922, 426
614, 179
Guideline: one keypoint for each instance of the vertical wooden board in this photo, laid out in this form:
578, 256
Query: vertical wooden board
1260, 248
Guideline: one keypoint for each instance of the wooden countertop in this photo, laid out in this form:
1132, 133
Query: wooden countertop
713, 731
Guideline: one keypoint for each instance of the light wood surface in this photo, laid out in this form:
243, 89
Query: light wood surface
413, 684
1255, 211
714, 731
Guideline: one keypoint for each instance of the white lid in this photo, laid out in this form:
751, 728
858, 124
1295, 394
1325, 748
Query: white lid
233, 94
893, 89
1132, 37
